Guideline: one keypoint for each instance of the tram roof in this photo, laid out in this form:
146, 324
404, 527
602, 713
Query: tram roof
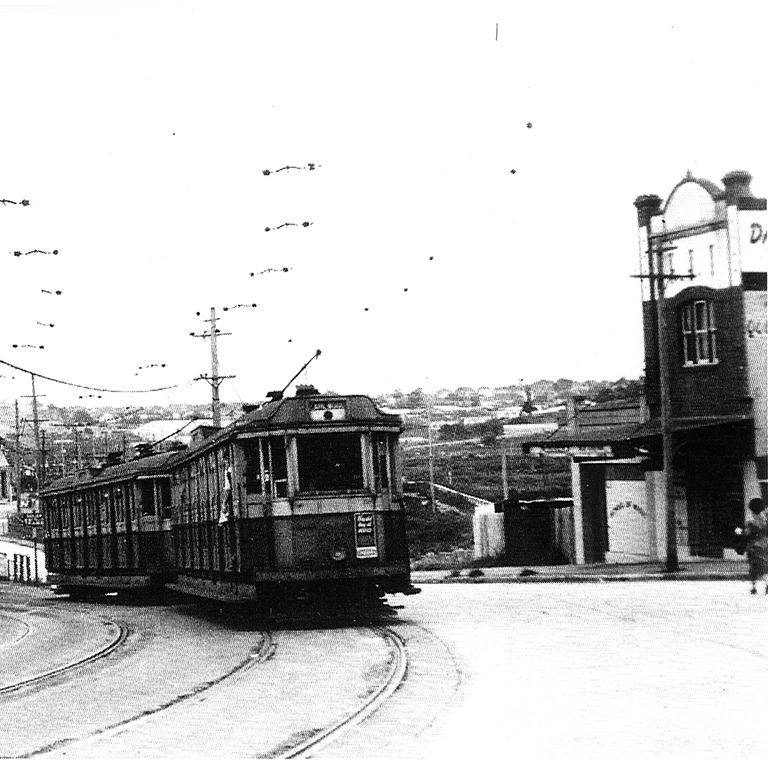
289, 413
156, 464
292, 412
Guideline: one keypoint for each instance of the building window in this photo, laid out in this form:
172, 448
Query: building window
698, 326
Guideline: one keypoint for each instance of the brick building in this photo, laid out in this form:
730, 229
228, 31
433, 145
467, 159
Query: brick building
714, 238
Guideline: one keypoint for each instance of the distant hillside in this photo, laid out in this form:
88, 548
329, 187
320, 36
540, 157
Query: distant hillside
476, 470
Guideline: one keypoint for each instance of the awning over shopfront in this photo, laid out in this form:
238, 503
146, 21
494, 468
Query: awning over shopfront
623, 440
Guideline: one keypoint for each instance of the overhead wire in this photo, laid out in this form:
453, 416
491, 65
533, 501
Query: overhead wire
87, 386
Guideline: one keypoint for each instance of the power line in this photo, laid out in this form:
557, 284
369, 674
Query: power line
308, 167
86, 386
36, 250
289, 224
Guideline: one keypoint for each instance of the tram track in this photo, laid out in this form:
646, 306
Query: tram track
385, 669
258, 655
398, 670
122, 633
27, 628
632, 618
311, 742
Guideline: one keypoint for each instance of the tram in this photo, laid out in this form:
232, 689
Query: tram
301, 496
110, 528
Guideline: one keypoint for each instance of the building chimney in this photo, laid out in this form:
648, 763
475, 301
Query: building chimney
736, 185
647, 206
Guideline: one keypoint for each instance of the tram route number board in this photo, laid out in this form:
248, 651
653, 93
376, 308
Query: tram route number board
365, 535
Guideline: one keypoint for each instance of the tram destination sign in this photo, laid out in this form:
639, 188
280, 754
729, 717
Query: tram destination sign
328, 410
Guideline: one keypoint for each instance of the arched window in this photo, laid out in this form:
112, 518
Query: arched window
699, 331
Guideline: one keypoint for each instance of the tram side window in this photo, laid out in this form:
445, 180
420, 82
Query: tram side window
253, 479
275, 479
147, 491
104, 507
119, 499
278, 466
165, 497
380, 473
330, 462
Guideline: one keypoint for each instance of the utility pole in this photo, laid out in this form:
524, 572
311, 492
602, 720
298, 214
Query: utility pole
43, 463
431, 456
666, 409
18, 461
658, 279
214, 379
78, 456
36, 427
504, 483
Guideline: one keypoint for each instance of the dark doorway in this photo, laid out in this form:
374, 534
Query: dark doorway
593, 510
715, 504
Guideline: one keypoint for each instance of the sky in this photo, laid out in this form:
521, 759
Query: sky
140, 133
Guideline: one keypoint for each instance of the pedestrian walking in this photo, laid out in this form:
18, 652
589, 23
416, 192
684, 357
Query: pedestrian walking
756, 538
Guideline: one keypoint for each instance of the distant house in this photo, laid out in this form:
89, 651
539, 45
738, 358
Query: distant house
181, 429
7, 494
716, 358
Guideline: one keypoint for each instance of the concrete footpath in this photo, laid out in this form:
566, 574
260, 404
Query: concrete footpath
701, 569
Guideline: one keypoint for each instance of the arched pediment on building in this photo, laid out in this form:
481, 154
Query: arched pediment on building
692, 203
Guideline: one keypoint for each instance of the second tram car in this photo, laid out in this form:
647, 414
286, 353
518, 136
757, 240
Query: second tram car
299, 496
110, 528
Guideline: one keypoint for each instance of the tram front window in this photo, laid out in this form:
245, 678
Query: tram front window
330, 463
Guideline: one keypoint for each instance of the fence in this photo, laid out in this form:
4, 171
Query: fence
22, 560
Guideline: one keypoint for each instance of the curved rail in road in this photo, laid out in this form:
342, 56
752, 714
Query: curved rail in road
51, 674
27, 628
259, 654
398, 670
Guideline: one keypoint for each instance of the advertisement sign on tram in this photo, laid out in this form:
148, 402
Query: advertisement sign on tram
365, 535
